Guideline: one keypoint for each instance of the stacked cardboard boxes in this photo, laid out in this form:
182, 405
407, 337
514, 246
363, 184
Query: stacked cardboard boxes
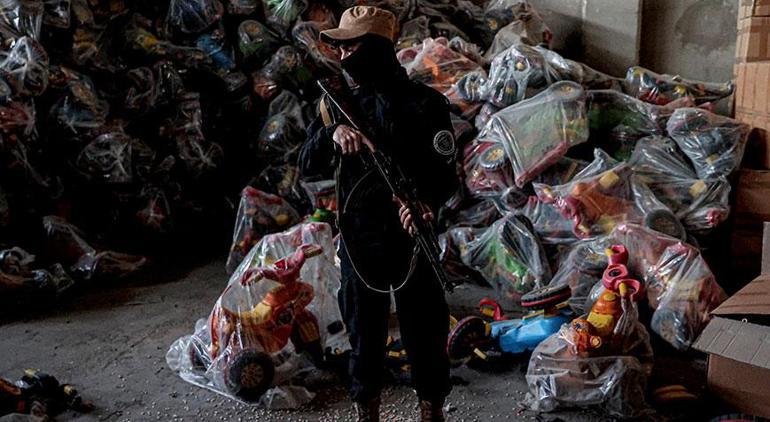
752, 106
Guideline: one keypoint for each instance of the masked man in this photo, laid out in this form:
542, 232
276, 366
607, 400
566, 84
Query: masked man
377, 253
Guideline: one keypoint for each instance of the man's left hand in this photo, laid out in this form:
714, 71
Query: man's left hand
406, 217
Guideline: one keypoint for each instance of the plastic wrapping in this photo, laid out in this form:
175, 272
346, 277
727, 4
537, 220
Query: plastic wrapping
242, 7
279, 138
598, 199
80, 109
435, 64
307, 34
194, 16
284, 70
467, 49
115, 158
486, 168
517, 73
578, 72
413, 32
155, 214
662, 89
614, 379
529, 29
213, 45
256, 42
25, 67
322, 194
509, 257
282, 180
283, 13
20, 18
538, 132
680, 288
714, 144
700, 204
259, 213
617, 120
65, 244
276, 315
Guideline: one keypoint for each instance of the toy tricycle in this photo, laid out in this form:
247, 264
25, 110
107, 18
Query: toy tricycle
244, 335
474, 336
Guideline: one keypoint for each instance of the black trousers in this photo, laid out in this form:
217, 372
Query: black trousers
423, 317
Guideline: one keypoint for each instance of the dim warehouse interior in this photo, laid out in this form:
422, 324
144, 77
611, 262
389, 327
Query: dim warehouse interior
397, 210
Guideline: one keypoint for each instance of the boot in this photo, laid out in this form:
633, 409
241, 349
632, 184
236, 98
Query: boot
432, 411
367, 411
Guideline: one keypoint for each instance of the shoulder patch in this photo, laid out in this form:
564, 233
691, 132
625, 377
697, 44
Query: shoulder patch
444, 143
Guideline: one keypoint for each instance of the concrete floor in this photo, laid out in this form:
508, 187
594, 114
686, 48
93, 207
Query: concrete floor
111, 343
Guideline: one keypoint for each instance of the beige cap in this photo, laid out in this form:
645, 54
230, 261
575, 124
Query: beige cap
358, 21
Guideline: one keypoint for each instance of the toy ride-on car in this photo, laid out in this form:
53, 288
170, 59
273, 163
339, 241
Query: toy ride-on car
248, 331
476, 337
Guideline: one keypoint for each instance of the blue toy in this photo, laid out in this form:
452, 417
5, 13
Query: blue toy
475, 337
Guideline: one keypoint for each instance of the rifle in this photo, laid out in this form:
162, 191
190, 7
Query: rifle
337, 92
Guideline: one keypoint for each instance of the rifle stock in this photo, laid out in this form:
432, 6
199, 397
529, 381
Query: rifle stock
397, 182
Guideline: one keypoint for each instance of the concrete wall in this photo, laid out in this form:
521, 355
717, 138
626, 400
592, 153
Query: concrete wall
602, 33
692, 38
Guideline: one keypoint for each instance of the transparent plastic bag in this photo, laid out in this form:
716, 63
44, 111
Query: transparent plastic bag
25, 67
517, 73
714, 144
681, 289
322, 194
80, 109
578, 72
283, 13
529, 29
259, 213
509, 256
64, 243
20, 18
277, 314
256, 42
284, 70
141, 94
662, 89
242, 7
596, 204
435, 64
281, 180
467, 49
280, 138
115, 157
307, 35
155, 214
700, 204
486, 168
550, 226
413, 32
485, 113
194, 16
617, 120
213, 44
537, 132
614, 380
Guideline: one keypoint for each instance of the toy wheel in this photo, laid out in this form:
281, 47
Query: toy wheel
546, 297
469, 334
249, 374
665, 222
493, 158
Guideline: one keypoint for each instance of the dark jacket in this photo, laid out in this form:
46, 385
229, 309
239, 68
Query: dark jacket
408, 116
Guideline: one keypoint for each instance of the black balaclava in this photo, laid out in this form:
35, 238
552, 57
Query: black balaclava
374, 63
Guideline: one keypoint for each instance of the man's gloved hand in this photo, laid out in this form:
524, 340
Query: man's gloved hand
350, 140
406, 216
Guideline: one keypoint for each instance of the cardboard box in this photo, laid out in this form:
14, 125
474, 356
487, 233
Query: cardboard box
753, 43
751, 210
749, 8
752, 88
737, 341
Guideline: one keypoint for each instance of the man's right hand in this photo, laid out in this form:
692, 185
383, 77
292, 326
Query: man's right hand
350, 140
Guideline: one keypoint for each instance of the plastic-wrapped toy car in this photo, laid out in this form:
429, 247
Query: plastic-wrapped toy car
662, 89
271, 324
243, 339
256, 42
509, 257
700, 204
601, 359
476, 337
714, 144
517, 73
537, 132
